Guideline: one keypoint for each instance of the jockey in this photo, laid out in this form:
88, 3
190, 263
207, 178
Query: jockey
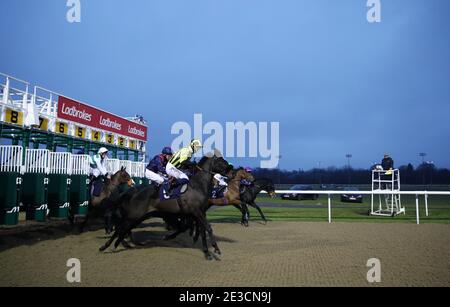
184, 155
98, 171
221, 180
98, 163
157, 166
245, 181
220, 186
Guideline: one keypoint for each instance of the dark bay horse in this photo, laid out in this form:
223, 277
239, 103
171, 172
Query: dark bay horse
249, 195
135, 207
246, 198
110, 191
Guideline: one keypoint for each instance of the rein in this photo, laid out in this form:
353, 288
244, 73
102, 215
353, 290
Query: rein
202, 170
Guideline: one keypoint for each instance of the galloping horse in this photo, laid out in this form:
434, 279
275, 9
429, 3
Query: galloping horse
246, 198
232, 195
145, 203
249, 195
110, 191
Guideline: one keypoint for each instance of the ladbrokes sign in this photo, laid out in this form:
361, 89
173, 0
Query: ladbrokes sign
77, 112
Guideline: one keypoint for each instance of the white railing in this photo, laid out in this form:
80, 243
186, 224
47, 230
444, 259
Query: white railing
80, 165
11, 95
375, 192
60, 163
126, 164
11, 158
46, 101
37, 161
112, 166
137, 169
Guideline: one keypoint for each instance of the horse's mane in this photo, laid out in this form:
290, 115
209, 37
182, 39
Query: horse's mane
202, 160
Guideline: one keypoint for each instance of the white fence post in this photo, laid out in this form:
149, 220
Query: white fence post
417, 209
329, 208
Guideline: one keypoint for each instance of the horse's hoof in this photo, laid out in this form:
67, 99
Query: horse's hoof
102, 249
126, 244
208, 256
217, 252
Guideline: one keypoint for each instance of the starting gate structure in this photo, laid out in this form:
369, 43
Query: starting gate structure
35, 184
79, 186
38, 124
10, 181
137, 172
60, 169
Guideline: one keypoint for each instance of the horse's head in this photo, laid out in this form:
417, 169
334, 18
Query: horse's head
122, 177
268, 186
241, 174
215, 163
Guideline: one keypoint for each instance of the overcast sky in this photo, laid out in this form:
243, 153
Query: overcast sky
336, 83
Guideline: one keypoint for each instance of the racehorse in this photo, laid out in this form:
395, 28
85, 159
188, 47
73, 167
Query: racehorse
102, 203
232, 193
249, 195
246, 198
134, 208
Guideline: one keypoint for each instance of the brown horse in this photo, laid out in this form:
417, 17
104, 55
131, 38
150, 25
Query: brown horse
110, 191
232, 195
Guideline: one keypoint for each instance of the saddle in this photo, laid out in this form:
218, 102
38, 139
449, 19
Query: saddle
243, 185
218, 192
96, 186
173, 189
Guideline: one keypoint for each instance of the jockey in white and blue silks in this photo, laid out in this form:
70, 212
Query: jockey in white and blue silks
98, 163
98, 171
156, 168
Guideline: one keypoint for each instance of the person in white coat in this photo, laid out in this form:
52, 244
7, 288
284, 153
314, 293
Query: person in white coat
98, 171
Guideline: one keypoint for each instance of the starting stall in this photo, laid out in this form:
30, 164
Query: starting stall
39, 131
60, 169
79, 197
35, 184
137, 172
10, 183
112, 166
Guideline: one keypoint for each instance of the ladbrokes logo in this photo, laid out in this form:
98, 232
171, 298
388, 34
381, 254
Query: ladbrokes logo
135, 131
74, 112
110, 123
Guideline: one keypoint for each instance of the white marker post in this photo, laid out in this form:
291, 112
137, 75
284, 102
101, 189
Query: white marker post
329, 208
417, 209
426, 204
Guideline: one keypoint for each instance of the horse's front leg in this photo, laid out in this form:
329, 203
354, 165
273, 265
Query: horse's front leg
245, 214
202, 231
254, 205
213, 239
